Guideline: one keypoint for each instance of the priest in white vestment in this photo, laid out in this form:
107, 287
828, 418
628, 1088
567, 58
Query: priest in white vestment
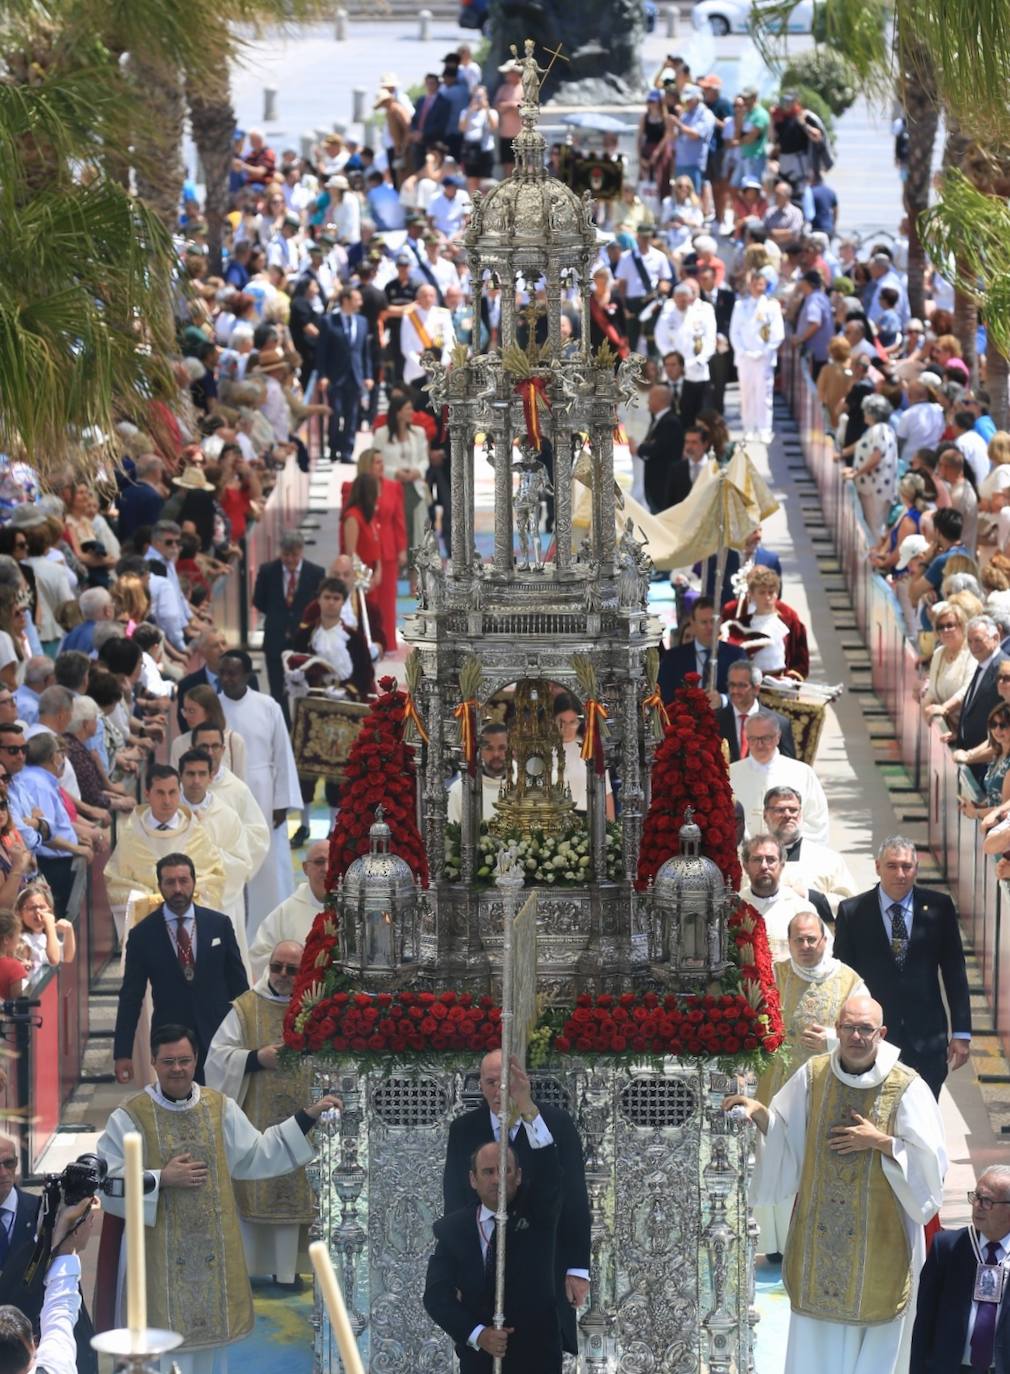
243, 1064
857, 1139
230, 789
765, 767
242, 848
293, 919
271, 775
809, 865
493, 748
813, 985
196, 1142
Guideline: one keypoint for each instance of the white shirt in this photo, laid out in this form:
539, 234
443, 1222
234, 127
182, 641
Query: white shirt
448, 213
751, 780
56, 1351
657, 269
920, 426
691, 333
976, 454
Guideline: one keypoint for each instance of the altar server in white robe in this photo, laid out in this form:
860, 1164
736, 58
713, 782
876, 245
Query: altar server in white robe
230, 789
243, 1064
293, 919
196, 1142
766, 767
858, 1140
242, 848
270, 773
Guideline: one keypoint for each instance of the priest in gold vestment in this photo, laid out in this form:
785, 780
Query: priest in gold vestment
243, 1064
858, 1139
198, 1143
812, 985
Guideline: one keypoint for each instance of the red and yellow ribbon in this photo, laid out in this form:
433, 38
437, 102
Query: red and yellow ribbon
466, 714
411, 716
592, 743
654, 702
533, 391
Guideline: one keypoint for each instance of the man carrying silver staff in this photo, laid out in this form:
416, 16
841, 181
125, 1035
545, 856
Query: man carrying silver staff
459, 1292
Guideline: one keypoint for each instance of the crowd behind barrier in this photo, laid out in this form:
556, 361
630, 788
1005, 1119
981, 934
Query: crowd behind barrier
954, 839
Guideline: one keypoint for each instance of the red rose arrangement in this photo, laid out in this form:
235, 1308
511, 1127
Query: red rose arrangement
380, 771
689, 769
394, 1023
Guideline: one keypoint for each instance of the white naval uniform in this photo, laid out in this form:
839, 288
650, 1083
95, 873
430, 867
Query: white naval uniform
755, 359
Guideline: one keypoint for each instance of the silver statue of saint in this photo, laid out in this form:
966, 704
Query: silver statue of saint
534, 486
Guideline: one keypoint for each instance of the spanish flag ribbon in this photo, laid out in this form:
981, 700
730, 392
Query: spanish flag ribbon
533, 391
654, 702
592, 744
466, 714
411, 716
620, 434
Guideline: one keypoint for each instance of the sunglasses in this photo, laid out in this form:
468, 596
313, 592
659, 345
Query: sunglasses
284, 968
14, 748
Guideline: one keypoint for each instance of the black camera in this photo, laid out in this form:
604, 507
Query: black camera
83, 1177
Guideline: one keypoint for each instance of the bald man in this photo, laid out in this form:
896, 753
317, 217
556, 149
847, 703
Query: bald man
243, 1064
293, 919
857, 1139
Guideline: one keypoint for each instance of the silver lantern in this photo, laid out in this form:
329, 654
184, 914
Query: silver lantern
377, 908
689, 908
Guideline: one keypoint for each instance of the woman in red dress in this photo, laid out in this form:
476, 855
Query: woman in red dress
360, 536
390, 515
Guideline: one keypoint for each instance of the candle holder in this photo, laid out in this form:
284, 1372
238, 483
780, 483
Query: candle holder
139, 1352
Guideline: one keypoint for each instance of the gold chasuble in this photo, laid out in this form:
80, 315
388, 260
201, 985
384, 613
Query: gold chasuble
804, 1003
270, 1098
197, 1281
838, 1266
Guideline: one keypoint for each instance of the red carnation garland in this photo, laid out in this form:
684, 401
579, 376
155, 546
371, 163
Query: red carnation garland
380, 770
689, 769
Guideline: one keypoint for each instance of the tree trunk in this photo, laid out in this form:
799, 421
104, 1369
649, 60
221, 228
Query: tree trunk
997, 377
917, 93
965, 310
158, 141
212, 119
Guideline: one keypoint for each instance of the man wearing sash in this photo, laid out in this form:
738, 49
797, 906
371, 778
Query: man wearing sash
425, 327
813, 985
961, 1320
858, 1139
243, 1065
197, 1142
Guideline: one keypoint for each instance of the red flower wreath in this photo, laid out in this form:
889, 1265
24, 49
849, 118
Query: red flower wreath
690, 770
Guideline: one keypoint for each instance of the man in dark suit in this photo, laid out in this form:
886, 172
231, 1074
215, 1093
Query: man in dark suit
19, 1213
661, 449
903, 939
478, 1127
753, 551
344, 362
983, 639
946, 1309
189, 956
694, 657
459, 1290
210, 644
743, 682
284, 588
430, 121
721, 363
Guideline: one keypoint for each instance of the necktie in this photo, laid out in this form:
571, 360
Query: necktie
899, 934
163, 825
704, 655
292, 587
6, 1221
743, 737
983, 1337
971, 689
491, 1258
184, 945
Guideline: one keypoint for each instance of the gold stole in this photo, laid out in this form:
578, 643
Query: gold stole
847, 1255
271, 1096
197, 1282
803, 1003
427, 342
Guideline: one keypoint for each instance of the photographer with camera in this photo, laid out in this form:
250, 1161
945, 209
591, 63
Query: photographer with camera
56, 1351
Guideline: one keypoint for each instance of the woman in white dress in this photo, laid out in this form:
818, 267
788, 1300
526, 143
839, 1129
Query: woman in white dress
875, 464
952, 667
14, 648
200, 706
404, 450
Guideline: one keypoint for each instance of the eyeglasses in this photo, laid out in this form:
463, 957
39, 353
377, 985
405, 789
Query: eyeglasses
284, 968
14, 748
10, 1163
182, 1062
947, 625
761, 739
21, 543
976, 1199
1000, 677
8, 700
1001, 724
864, 1032
170, 543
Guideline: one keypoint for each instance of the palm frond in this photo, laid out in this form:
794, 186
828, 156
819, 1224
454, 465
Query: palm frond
969, 44
968, 232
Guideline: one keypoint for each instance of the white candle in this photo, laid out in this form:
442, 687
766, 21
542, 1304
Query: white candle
334, 1300
136, 1276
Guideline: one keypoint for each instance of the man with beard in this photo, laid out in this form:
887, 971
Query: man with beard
493, 747
763, 862
810, 866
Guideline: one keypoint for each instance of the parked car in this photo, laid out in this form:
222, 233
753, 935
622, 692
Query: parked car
736, 16
473, 14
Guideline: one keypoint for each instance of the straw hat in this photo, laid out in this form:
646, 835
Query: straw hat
192, 479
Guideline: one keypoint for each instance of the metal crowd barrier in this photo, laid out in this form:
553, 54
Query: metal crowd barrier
954, 839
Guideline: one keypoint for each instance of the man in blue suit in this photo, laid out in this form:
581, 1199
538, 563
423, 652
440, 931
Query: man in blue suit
191, 959
694, 657
953, 1330
344, 360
